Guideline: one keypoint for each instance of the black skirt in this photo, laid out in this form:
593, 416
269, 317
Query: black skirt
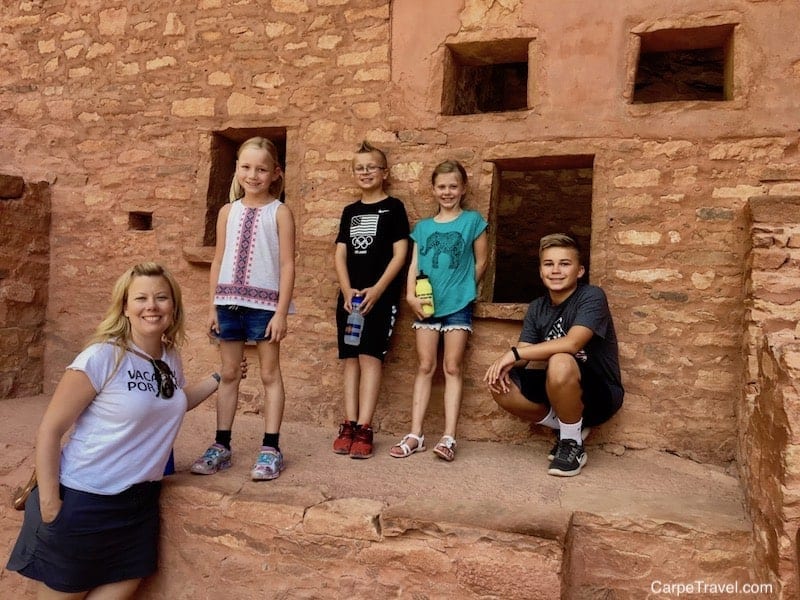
94, 540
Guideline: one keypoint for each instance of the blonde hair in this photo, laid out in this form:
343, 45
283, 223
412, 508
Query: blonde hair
449, 166
367, 148
115, 326
261, 143
559, 240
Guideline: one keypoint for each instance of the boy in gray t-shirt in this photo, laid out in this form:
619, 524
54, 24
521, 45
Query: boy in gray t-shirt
571, 331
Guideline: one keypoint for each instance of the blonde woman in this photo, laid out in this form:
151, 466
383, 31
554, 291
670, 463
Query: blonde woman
91, 526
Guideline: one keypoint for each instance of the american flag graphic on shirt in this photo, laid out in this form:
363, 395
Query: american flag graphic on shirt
363, 225
363, 229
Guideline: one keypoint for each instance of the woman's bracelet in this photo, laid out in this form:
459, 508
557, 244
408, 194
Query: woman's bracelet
515, 352
216, 377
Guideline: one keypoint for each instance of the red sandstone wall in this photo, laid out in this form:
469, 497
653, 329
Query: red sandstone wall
768, 413
116, 101
24, 271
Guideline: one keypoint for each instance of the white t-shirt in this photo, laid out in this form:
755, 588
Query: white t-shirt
125, 435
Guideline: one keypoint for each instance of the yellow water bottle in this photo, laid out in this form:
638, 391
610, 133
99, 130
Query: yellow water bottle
424, 292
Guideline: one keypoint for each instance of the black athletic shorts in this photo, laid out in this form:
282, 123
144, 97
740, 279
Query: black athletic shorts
376, 333
598, 402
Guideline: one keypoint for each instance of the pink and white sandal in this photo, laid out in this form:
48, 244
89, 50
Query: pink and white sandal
446, 448
402, 449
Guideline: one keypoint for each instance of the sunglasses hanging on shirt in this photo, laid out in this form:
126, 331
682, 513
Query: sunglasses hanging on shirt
164, 378
163, 375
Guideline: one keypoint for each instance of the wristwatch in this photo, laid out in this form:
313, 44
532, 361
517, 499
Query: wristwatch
515, 352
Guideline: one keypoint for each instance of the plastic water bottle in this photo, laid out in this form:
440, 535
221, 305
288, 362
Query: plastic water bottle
355, 323
424, 291
169, 469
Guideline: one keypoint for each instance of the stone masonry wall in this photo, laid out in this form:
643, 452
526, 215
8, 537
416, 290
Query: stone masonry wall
118, 101
768, 414
24, 274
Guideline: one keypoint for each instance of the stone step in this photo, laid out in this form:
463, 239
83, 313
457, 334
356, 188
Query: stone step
492, 524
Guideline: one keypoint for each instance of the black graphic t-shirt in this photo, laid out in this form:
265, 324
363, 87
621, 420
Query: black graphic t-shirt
587, 306
369, 231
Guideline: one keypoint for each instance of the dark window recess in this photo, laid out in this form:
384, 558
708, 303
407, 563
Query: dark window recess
140, 221
224, 145
685, 65
535, 197
486, 77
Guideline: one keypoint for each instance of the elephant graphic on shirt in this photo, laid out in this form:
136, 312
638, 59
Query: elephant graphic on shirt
449, 242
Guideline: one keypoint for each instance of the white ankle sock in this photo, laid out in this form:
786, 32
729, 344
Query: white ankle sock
571, 431
551, 420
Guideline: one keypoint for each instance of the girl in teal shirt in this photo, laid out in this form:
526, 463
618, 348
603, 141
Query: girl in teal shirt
451, 249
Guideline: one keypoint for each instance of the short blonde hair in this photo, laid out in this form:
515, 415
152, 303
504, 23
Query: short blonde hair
367, 148
559, 240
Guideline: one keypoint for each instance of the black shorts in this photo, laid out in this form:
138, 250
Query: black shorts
376, 333
598, 401
94, 540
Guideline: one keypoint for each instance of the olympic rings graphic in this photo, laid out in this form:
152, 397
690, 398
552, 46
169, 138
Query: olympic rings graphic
361, 242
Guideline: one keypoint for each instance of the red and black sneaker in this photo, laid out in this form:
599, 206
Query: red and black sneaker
342, 443
362, 443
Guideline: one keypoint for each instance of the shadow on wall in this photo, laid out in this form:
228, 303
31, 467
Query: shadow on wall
24, 274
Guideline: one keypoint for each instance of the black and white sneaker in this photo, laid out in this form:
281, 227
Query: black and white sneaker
552, 454
568, 460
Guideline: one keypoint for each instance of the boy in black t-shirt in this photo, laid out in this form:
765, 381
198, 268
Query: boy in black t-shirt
571, 330
371, 251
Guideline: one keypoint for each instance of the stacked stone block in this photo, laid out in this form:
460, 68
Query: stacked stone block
768, 413
24, 275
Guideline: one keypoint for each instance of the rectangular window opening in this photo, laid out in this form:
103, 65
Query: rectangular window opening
140, 221
486, 77
534, 197
692, 64
224, 145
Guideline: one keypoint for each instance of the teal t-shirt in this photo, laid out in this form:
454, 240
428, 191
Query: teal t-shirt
444, 253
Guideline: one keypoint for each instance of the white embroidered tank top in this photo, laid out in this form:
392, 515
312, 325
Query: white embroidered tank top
250, 271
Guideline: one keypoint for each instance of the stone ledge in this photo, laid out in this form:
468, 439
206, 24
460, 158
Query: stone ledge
500, 310
199, 255
492, 523
635, 554
549, 523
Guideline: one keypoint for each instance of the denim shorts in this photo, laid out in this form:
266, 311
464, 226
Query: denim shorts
242, 323
461, 319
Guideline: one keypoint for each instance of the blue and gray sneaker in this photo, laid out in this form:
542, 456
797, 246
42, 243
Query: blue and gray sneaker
216, 458
269, 464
